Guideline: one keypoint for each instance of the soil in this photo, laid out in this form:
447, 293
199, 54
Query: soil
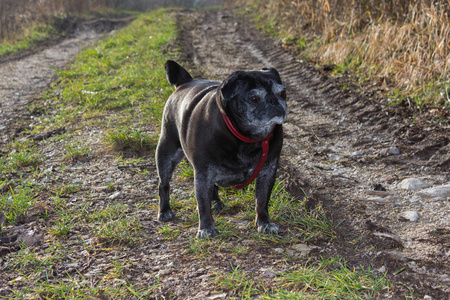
346, 150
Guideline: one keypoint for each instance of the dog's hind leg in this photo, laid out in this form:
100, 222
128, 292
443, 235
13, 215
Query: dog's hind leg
168, 155
216, 204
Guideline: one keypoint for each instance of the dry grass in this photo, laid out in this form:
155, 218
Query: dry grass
18, 14
405, 43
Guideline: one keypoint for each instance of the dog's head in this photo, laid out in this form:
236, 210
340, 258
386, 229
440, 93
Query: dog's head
254, 100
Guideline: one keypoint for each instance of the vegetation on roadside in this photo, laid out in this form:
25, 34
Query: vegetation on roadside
399, 46
28, 38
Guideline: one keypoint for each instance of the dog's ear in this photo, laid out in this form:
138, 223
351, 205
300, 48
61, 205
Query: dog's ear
231, 86
275, 74
176, 74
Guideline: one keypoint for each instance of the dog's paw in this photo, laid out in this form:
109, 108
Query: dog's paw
207, 233
166, 216
268, 227
217, 205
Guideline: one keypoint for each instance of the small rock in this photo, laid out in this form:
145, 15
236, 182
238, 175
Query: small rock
415, 198
116, 195
268, 273
290, 252
20, 278
388, 235
29, 238
278, 250
410, 215
164, 272
248, 242
218, 296
71, 265
358, 153
379, 200
413, 184
301, 249
437, 191
438, 199
396, 254
382, 269
333, 157
390, 151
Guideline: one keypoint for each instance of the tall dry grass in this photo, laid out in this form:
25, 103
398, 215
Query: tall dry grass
406, 43
17, 14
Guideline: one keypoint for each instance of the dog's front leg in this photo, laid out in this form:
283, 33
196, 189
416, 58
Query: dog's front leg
204, 191
263, 189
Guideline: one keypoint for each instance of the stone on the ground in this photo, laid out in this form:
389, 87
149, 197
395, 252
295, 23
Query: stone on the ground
437, 191
390, 151
410, 215
413, 184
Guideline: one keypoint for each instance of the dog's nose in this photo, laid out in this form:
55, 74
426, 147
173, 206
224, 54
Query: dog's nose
278, 111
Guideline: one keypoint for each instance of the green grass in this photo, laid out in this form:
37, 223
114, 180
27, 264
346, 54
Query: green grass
17, 202
324, 279
76, 152
124, 71
115, 225
28, 38
22, 155
125, 139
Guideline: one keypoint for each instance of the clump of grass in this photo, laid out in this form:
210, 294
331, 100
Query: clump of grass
401, 45
17, 202
126, 139
64, 221
241, 283
169, 232
75, 152
25, 155
115, 224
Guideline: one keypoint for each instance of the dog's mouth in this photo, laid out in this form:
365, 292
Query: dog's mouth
278, 117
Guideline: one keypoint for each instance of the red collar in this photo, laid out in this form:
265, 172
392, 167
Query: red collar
264, 145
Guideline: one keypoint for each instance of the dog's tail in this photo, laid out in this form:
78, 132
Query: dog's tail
176, 74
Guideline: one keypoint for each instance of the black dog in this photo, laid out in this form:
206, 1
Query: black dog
229, 131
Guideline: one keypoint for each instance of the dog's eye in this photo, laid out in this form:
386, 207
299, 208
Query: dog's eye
254, 98
283, 94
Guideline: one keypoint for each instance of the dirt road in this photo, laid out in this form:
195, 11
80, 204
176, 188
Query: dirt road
382, 179
350, 152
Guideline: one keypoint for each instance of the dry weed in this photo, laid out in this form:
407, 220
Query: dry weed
17, 14
405, 42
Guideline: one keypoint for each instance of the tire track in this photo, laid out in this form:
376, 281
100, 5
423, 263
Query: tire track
333, 142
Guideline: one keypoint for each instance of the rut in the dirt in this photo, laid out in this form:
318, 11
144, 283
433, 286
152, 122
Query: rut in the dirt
347, 151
